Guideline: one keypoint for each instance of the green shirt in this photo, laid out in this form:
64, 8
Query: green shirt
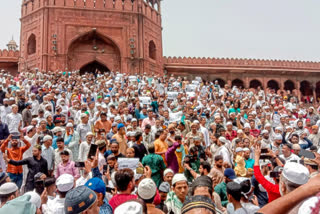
221, 190
195, 165
156, 164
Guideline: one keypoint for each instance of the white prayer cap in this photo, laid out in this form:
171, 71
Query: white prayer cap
29, 128
178, 177
65, 182
295, 173
130, 207
278, 137
8, 188
47, 137
239, 149
229, 123
89, 133
246, 125
57, 129
147, 189
82, 115
239, 131
69, 125
222, 139
117, 118
168, 170
279, 128
265, 132
35, 198
268, 125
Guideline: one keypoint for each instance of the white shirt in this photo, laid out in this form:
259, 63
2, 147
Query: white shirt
55, 206
205, 135
292, 157
224, 152
34, 107
32, 141
13, 121
101, 162
83, 151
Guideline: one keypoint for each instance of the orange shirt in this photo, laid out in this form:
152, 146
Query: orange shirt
15, 154
121, 139
106, 125
161, 146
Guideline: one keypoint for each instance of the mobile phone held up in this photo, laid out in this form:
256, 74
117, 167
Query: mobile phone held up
92, 151
79, 164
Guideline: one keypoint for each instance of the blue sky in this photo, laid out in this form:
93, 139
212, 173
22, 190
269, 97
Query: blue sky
268, 29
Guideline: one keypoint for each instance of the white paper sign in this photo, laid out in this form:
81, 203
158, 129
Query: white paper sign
175, 117
131, 163
191, 94
145, 100
172, 95
132, 78
191, 88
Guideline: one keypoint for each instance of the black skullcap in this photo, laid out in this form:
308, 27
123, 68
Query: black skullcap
202, 181
197, 202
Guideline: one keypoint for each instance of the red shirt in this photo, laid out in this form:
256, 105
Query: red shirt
232, 136
120, 199
272, 189
254, 132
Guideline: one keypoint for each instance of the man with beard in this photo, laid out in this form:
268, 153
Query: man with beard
204, 168
124, 179
314, 137
114, 149
217, 170
194, 133
265, 141
5, 110
15, 153
293, 176
35, 164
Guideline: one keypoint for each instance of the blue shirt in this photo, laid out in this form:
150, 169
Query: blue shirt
249, 163
105, 207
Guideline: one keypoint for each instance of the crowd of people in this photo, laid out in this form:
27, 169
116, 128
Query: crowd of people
140, 144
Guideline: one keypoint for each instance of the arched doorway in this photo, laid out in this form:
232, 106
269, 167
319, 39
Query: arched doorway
272, 84
255, 84
94, 67
94, 47
318, 91
306, 88
289, 85
221, 82
237, 82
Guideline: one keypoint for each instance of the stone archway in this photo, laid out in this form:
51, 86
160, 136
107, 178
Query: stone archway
255, 84
221, 82
306, 88
289, 85
93, 47
318, 91
94, 67
237, 82
272, 84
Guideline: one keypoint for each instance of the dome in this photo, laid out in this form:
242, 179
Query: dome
12, 42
